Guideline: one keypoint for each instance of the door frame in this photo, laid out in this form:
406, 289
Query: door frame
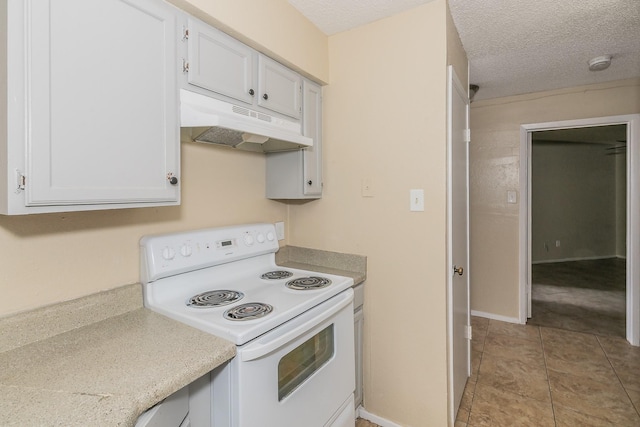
454, 84
633, 212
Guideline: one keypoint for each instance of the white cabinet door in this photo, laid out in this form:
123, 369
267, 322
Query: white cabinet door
298, 174
220, 63
101, 101
312, 127
279, 87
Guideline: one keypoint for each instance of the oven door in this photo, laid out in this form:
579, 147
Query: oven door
301, 373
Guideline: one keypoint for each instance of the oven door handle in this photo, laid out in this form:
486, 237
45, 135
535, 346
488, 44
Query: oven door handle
258, 350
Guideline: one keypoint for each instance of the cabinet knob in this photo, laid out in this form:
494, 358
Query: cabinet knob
265, 96
173, 180
310, 182
251, 92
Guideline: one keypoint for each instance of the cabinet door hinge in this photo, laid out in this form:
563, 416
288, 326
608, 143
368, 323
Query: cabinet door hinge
467, 332
185, 66
185, 33
21, 181
467, 135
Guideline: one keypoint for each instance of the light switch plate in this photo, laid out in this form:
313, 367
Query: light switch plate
416, 200
280, 230
512, 197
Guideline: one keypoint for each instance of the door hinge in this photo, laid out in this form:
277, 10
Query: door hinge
467, 135
185, 66
467, 332
185, 33
21, 181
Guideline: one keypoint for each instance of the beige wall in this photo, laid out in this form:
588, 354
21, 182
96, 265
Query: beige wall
384, 120
494, 169
50, 258
573, 200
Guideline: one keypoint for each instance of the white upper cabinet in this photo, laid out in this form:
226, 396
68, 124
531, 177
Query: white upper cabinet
298, 174
91, 105
225, 66
280, 88
220, 63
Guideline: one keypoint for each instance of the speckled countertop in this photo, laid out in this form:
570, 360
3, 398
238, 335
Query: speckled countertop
99, 360
341, 264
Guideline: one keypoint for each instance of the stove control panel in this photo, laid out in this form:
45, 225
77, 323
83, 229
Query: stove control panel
169, 254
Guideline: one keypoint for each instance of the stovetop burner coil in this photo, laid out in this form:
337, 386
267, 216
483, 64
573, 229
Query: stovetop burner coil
307, 283
248, 311
215, 298
277, 274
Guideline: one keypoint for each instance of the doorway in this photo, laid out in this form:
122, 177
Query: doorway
632, 285
578, 229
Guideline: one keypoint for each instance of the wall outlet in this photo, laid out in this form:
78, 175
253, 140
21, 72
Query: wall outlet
367, 187
557, 243
280, 230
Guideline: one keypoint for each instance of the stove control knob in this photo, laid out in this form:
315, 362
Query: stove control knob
186, 250
270, 236
260, 238
248, 239
168, 253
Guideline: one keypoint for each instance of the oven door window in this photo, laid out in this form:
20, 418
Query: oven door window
299, 364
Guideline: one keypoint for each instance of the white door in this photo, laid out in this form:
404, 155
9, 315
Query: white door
458, 242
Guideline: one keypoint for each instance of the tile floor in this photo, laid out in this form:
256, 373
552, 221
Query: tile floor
524, 375
584, 296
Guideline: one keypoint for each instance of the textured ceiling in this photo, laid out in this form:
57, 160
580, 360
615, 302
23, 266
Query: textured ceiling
523, 46
517, 46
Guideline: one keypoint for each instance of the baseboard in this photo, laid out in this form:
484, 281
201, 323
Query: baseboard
363, 413
495, 316
592, 258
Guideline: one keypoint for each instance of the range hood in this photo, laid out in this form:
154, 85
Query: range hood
209, 120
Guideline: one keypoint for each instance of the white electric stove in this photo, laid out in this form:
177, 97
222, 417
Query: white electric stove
293, 328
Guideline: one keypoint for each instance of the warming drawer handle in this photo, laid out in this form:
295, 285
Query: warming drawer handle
259, 350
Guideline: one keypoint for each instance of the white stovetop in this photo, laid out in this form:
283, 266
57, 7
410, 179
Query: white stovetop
169, 296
